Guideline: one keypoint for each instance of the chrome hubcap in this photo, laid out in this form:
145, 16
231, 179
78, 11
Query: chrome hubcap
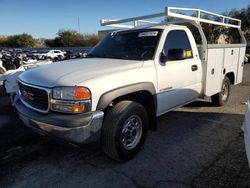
131, 132
224, 92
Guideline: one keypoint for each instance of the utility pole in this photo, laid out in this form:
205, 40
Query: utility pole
79, 28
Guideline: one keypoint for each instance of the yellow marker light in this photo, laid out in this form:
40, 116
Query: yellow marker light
189, 53
82, 93
78, 108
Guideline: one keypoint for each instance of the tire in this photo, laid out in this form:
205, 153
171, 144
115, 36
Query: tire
221, 98
120, 124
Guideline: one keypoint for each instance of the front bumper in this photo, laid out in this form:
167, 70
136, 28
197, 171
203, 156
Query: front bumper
73, 128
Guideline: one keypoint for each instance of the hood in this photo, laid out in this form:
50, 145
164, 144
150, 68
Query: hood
73, 72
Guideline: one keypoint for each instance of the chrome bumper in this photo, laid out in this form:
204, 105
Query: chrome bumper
77, 128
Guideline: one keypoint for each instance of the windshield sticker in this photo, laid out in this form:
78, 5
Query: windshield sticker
148, 34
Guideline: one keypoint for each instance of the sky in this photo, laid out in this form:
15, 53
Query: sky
44, 18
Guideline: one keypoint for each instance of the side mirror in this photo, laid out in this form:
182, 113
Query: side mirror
173, 54
176, 54
163, 57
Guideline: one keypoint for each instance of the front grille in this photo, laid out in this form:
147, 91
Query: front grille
35, 97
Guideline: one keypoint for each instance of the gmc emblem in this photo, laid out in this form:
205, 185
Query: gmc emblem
27, 95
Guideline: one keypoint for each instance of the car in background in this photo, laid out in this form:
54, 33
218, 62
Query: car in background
248, 53
246, 129
247, 56
54, 54
71, 54
51, 54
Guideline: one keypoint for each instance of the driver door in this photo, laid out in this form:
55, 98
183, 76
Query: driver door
179, 81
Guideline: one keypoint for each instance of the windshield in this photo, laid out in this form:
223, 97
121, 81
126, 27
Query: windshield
133, 44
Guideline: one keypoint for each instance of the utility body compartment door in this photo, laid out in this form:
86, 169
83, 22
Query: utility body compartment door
214, 71
240, 65
220, 61
179, 81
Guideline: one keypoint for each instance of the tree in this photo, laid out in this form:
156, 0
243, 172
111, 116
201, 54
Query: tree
244, 16
91, 40
71, 38
21, 41
50, 42
68, 38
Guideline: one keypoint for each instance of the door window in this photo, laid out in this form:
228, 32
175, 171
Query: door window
178, 39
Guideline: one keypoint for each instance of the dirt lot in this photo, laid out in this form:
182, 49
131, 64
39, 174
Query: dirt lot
196, 146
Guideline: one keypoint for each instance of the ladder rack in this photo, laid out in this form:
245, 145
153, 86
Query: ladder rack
197, 15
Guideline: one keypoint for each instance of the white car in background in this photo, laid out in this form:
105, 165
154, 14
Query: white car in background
246, 128
2, 69
52, 54
55, 53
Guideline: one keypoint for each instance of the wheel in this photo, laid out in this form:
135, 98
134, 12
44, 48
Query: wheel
124, 130
221, 98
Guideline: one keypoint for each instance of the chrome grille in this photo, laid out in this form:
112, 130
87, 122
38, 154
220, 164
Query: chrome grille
35, 97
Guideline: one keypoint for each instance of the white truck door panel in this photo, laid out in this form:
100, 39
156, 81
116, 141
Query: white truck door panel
214, 71
240, 65
177, 84
179, 81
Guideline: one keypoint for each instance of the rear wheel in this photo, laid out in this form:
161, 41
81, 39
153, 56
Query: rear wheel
221, 98
124, 130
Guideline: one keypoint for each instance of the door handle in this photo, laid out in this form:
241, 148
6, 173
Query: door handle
194, 67
212, 71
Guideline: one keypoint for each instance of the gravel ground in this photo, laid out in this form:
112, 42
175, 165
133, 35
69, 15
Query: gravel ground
196, 146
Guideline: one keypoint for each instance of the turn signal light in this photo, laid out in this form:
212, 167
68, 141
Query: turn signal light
82, 93
78, 108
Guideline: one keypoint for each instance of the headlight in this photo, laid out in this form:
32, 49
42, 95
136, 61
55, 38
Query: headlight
71, 93
75, 99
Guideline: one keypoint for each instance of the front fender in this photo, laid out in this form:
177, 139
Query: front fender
109, 96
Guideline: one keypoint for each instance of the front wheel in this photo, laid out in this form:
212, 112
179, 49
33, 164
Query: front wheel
221, 98
124, 130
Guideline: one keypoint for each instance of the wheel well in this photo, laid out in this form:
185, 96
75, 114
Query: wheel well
146, 99
231, 77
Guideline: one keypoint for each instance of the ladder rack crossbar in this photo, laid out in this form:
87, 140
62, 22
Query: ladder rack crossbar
174, 12
198, 17
105, 22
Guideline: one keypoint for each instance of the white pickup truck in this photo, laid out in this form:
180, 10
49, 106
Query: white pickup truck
129, 79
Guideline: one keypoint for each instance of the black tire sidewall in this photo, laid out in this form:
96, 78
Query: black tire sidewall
123, 153
112, 129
